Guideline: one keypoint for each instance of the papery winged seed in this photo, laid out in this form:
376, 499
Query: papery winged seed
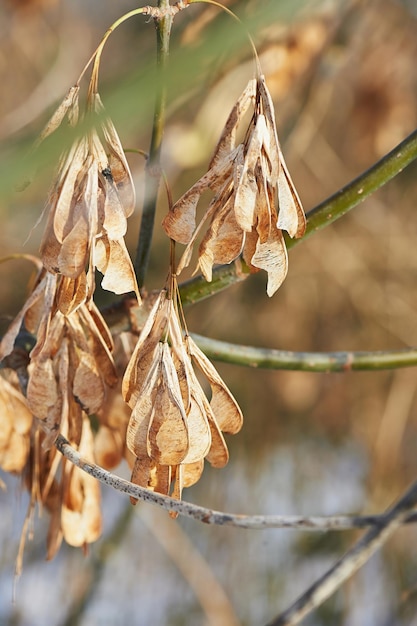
272, 257
160, 477
268, 107
219, 200
222, 243
199, 434
144, 352
113, 261
87, 337
291, 216
65, 195
138, 427
55, 121
108, 447
180, 222
180, 356
226, 410
141, 473
42, 391
80, 515
72, 257
218, 455
71, 293
7, 343
14, 408
265, 209
227, 141
115, 223
96, 322
245, 179
192, 473
88, 386
168, 434
43, 330
117, 162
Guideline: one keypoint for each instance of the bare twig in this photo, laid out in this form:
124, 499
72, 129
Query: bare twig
350, 562
219, 518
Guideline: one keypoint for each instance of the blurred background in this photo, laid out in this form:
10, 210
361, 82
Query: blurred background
343, 78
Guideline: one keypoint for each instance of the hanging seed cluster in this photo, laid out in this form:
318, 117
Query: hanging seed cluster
154, 412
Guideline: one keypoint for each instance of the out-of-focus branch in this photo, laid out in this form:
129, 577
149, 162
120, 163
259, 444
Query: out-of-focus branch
353, 560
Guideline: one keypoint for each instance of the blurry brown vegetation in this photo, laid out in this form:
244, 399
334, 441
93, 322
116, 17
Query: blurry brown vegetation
345, 89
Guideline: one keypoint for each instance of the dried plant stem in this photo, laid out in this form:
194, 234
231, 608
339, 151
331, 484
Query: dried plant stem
353, 560
319, 217
267, 358
163, 31
219, 518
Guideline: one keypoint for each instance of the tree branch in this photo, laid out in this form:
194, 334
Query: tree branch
219, 518
268, 358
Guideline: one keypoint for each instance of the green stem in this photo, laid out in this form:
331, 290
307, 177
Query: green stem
361, 187
163, 30
266, 358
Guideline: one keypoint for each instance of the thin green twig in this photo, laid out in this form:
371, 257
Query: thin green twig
267, 358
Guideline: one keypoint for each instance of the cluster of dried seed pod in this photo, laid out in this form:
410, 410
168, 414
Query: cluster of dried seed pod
173, 426
71, 380
254, 197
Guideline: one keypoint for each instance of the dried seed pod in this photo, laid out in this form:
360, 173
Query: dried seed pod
254, 197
